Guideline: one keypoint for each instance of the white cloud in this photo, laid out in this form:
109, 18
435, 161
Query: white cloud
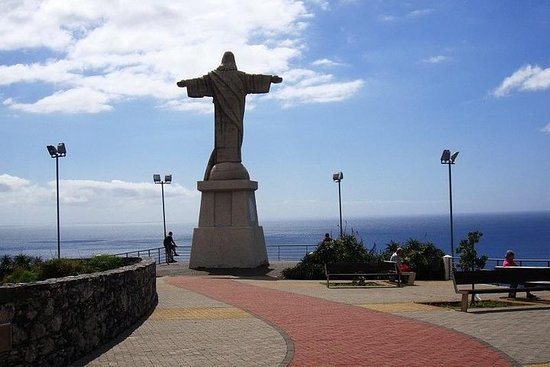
388, 18
527, 78
307, 86
82, 200
419, 13
88, 191
411, 15
10, 183
202, 106
326, 62
78, 100
15, 189
435, 59
49, 72
102, 52
546, 129
320, 93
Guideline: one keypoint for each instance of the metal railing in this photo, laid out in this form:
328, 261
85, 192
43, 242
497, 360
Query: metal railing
296, 253
156, 253
521, 262
274, 253
288, 252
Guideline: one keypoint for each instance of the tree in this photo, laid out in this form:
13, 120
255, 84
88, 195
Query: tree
468, 254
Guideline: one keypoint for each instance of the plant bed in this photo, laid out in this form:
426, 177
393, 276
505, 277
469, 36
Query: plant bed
25, 269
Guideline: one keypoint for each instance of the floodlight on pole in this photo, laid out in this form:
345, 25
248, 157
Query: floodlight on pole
337, 177
449, 159
56, 153
167, 180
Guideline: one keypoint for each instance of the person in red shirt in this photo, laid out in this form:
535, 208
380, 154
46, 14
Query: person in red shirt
509, 261
327, 238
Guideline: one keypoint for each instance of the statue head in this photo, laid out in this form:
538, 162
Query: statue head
228, 61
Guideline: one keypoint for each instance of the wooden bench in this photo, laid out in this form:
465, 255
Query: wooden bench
350, 270
508, 277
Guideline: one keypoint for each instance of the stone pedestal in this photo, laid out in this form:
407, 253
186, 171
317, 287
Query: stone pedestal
228, 235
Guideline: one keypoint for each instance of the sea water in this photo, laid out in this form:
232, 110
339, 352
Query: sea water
528, 234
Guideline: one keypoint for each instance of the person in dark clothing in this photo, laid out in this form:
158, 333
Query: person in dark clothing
170, 248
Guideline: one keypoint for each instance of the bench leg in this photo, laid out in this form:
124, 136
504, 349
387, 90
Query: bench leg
464, 304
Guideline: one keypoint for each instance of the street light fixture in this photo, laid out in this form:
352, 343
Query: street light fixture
337, 177
167, 180
56, 153
448, 159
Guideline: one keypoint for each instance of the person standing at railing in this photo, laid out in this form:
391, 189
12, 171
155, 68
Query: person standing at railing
170, 248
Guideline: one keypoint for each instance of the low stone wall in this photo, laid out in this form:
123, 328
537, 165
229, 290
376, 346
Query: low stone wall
57, 321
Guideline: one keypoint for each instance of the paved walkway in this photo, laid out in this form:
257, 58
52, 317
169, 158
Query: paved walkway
253, 320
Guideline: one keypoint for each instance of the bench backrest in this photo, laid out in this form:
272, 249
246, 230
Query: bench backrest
359, 267
504, 275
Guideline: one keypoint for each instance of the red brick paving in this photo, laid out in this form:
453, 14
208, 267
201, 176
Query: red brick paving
326, 333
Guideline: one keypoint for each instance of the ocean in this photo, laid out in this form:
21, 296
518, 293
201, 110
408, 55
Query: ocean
528, 234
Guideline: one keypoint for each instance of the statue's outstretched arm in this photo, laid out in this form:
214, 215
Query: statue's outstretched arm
275, 79
182, 83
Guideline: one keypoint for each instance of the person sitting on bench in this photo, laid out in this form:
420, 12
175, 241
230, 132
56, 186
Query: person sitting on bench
397, 257
509, 261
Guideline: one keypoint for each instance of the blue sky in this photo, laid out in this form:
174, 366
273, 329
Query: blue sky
375, 89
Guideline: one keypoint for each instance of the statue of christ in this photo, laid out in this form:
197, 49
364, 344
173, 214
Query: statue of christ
228, 87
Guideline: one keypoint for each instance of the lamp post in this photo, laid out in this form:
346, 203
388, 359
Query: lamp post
60, 151
167, 180
448, 159
337, 177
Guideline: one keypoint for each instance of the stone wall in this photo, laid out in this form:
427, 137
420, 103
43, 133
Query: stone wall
57, 321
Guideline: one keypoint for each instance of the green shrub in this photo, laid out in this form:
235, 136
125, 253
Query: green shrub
20, 275
346, 248
106, 262
24, 261
57, 268
6, 266
19, 269
424, 258
24, 268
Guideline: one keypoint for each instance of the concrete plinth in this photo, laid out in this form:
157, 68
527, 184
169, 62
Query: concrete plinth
228, 235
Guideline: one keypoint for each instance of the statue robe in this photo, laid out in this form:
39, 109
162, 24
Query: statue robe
228, 89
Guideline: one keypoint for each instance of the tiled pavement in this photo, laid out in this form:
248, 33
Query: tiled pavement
188, 329
258, 321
